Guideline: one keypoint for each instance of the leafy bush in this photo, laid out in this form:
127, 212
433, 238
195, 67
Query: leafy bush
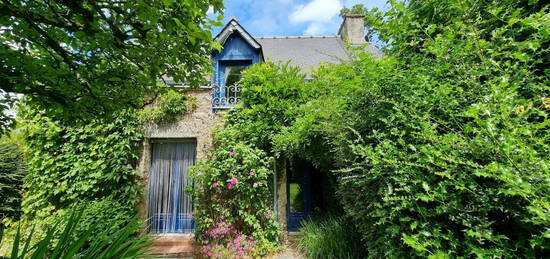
451, 132
12, 171
92, 242
333, 237
233, 211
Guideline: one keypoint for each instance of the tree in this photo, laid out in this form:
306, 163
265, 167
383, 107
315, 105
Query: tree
91, 57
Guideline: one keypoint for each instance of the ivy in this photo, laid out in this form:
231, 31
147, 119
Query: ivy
71, 164
168, 106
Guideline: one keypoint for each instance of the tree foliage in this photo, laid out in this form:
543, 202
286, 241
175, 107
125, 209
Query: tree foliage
88, 58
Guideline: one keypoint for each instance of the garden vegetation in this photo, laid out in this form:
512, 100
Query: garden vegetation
439, 148
89, 72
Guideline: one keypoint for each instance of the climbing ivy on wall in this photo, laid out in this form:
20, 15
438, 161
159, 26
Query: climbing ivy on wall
78, 163
167, 106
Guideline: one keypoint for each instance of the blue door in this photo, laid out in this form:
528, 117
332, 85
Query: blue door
169, 206
299, 202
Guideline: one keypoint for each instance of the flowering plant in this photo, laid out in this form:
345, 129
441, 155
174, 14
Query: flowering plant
234, 209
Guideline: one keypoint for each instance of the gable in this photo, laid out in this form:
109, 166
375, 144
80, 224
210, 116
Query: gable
237, 48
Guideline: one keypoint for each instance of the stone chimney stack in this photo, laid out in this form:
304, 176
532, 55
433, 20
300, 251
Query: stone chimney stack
352, 29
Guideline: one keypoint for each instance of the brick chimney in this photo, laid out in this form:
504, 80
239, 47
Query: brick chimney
352, 29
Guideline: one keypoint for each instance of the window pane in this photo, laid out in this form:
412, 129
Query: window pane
233, 74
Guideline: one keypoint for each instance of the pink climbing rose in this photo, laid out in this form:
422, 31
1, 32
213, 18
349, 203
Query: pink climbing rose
214, 185
233, 180
232, 153
252, 174
229, 186
255, 185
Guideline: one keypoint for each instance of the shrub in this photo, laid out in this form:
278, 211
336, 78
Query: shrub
333, 237
12, 171
234, 212
451, 137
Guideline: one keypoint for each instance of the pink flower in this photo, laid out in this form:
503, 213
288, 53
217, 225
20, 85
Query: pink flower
232, 153
190, 216
214, 185
234, 181
255, 185
209, 253
252, 174
229, 186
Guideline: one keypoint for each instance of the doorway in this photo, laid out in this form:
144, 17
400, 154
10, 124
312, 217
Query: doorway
304, 194
169, 205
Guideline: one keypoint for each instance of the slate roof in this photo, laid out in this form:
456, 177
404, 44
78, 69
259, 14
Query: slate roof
307, 51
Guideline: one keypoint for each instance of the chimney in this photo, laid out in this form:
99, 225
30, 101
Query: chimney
352, 29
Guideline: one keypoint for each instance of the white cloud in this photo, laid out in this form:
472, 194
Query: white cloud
319, 11
314, 29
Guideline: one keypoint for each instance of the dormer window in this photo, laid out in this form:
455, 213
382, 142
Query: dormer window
240, 50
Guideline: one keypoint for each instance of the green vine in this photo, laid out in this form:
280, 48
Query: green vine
168, 106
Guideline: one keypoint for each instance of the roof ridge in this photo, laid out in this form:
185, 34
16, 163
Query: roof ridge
298, 37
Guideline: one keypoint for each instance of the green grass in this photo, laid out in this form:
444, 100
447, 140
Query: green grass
333, 237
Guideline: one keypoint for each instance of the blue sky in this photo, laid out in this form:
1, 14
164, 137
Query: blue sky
290, 17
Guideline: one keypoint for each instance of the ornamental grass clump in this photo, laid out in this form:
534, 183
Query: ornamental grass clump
234, 216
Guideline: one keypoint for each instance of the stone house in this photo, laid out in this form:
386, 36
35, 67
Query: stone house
169, 149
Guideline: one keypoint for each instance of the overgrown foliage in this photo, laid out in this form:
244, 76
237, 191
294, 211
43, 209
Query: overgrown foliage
330, 238
12, 171
233, 214
451, 156
82, 59
70, 164
440, 147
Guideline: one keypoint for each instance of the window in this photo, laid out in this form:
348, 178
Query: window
228, 92
233, 74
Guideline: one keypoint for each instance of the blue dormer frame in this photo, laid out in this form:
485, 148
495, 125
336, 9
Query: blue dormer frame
239, 49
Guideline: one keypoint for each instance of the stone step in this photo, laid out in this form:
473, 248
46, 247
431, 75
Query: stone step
173, 246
